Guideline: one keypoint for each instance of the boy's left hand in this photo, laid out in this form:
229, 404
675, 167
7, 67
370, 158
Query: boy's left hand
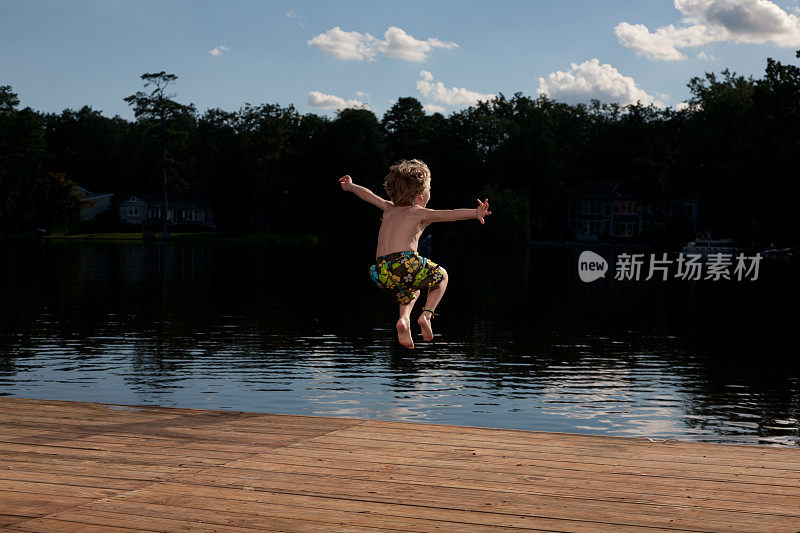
483, 210
346, 181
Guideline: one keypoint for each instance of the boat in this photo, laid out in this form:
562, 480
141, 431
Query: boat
712, 246
779, 253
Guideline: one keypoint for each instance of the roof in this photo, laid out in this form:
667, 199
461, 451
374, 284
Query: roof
606, 188
601, 187
87, 195
82, 191
177, 201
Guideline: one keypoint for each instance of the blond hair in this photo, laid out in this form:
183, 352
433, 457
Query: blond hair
406, 180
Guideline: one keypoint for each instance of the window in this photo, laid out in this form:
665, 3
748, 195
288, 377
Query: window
590, 207
624, 207
133, 211
591, 226
625, 229
133, 199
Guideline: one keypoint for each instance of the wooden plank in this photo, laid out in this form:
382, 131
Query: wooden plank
555, 477
109, 481
168, 453
624, 511
168, 519
653, 452
673, 449
655, 493
342, 512
49, 525
600, 445
473, 453
8, 519
33, 505
473, 460
539, 516
25, 408
55, 487
92, 466
128, 457
111, 422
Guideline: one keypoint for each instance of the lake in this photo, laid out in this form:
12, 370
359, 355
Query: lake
521, 343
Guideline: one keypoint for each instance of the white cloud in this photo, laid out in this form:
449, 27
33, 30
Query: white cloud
400, 45
433, 108
747, 21
456, 96
364, 47
706, 57
219, 50
707, 21
591, 80
364, 97
664, 43
297, 18
346, 44
329, 101
681, 106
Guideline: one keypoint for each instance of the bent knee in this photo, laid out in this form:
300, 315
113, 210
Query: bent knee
442, 281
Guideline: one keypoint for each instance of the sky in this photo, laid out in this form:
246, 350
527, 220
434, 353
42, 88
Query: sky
322, 56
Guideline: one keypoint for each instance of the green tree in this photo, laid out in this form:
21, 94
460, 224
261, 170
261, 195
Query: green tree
408, 130
158, 105
9, 100
23, 152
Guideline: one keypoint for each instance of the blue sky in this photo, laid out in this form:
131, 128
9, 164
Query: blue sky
447, 54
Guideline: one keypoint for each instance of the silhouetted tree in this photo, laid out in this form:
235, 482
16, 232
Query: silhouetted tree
159, 105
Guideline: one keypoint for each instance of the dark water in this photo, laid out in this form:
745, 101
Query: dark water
522, 342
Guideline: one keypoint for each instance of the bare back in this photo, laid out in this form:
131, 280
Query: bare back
400, 229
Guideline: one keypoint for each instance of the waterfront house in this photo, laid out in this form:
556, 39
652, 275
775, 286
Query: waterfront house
92, 204
185, 212
608, 210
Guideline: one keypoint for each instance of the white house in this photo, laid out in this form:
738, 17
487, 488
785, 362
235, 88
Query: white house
184, 210
92, 204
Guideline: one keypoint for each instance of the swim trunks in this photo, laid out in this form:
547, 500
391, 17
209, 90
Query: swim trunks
404, 273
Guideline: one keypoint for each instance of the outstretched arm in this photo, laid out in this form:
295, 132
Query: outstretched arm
448, 215
364, 193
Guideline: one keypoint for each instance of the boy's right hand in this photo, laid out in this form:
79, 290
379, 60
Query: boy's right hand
346, 182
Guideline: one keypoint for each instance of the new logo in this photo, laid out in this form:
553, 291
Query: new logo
591, 266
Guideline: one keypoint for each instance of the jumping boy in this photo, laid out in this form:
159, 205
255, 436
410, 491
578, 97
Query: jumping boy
398, 267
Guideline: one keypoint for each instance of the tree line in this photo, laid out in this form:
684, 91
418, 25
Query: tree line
269, 167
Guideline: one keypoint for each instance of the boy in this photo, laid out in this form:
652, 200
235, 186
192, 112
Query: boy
398, 267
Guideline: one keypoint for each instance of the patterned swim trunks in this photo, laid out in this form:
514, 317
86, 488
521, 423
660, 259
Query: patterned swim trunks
404, 273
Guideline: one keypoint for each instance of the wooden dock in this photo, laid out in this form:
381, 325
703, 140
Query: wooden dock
73, 466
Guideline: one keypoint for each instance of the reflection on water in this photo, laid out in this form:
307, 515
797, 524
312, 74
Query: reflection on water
522, 342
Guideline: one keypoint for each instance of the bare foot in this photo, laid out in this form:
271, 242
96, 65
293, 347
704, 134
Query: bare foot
404, 333
425, 323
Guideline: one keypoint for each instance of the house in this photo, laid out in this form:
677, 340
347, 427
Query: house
608, 209
185, 211
92, 204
